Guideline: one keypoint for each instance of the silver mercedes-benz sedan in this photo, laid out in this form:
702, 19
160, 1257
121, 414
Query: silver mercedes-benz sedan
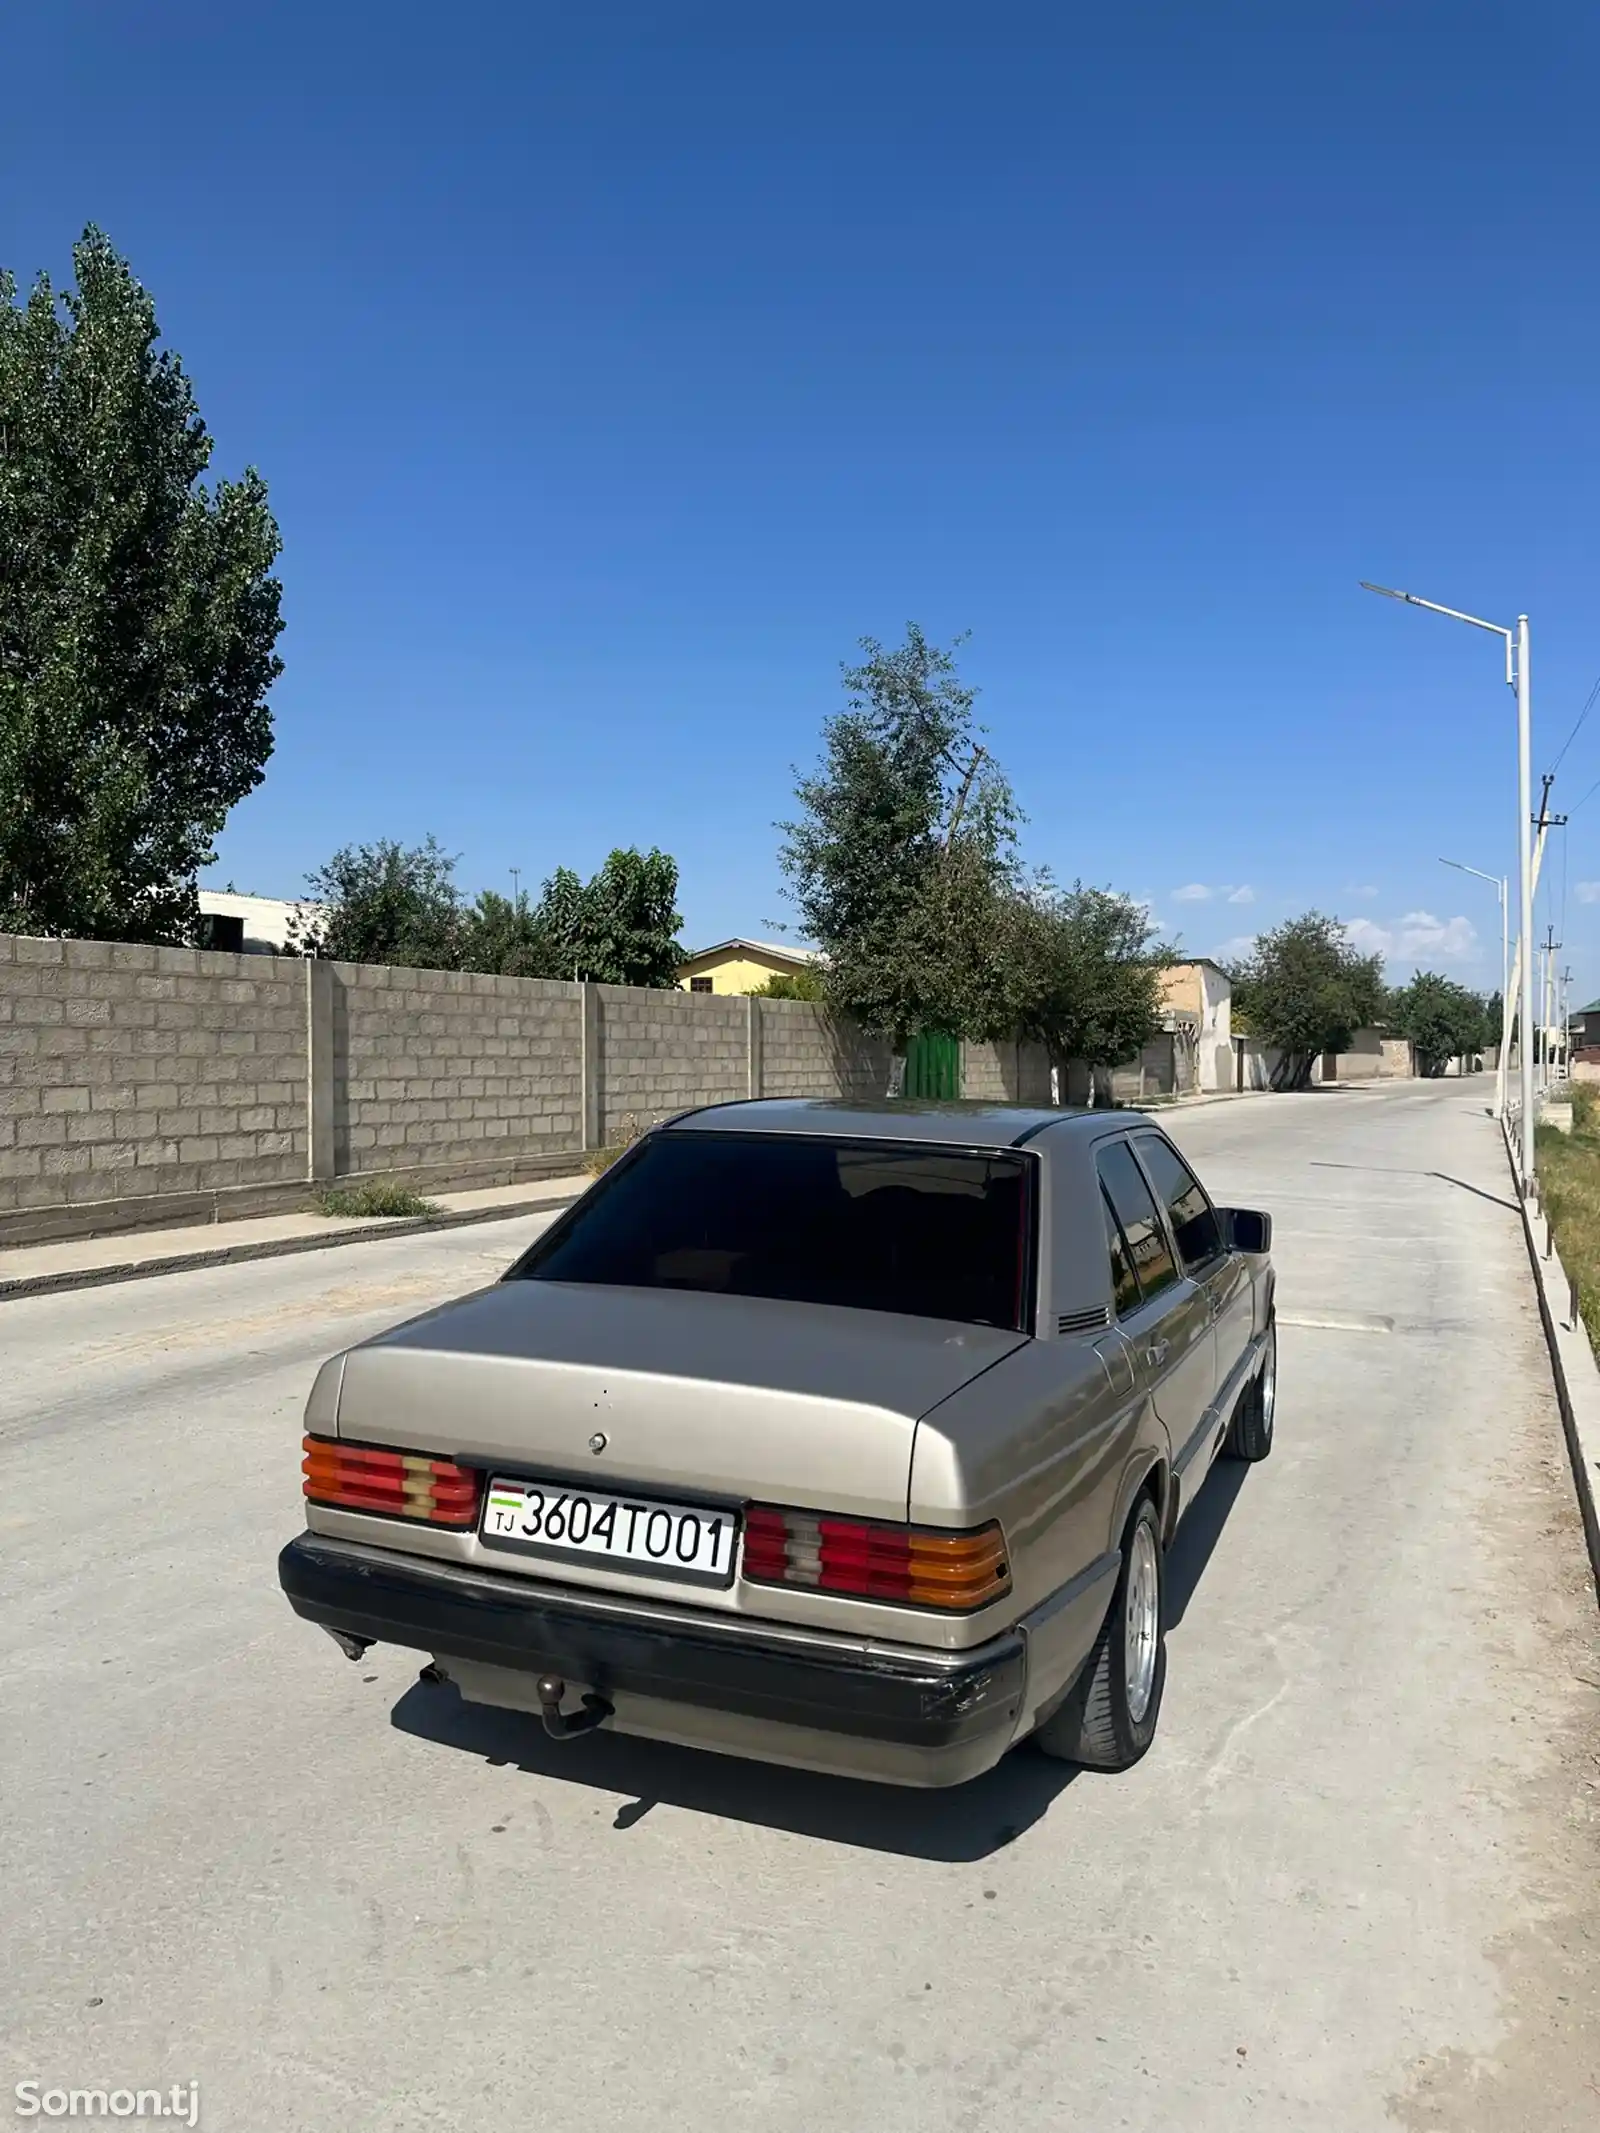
850, 1436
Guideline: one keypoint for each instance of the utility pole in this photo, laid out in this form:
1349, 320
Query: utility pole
1547, 1009
1542, 823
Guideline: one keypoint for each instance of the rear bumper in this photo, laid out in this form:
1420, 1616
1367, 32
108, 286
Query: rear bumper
892, 1712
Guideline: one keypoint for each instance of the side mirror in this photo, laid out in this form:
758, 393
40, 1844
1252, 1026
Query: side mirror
1246, 1229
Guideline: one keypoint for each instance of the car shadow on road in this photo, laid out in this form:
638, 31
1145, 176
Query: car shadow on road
966, 1823
1195, 1540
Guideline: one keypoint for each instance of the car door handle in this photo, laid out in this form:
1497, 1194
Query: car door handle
1157, 1352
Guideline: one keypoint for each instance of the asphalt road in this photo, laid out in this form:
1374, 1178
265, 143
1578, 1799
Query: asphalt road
1351, 1887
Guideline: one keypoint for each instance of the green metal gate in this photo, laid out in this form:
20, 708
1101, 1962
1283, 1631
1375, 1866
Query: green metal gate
933, 1065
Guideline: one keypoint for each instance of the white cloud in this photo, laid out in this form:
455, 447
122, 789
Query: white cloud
1587, 892
1370, 939
1419, 933
1244, 894
1367, 889
1423, 934
1233, 951
1194, 892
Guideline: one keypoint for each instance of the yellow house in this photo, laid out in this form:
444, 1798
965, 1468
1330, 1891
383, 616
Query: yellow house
741, 966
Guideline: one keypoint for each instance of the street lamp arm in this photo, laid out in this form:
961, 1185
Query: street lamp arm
1497, 629
1461, 867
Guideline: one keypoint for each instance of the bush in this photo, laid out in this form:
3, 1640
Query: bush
377, 1197
790, 985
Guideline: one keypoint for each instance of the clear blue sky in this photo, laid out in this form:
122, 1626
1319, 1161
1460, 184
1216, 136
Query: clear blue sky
614, 369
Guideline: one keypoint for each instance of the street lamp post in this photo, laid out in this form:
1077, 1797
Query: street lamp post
1516, 643
1500, 886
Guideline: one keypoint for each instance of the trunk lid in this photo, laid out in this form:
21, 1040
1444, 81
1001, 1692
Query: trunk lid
696, 1394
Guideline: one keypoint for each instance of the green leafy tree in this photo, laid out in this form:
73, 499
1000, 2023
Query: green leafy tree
390, 903
560, 927
1493, 1014
1087, 970
138, 617
387, 903
619, 928
1440, 1019
630, 920
499, 935
790, 985
902, 860
1304, 990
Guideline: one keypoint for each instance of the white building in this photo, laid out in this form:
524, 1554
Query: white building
251, 925
1204, 990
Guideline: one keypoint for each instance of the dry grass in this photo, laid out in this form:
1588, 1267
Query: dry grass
1569, 1180
1585, 1108
376, 1197
629, 1130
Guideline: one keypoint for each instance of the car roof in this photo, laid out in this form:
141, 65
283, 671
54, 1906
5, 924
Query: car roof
903, 1118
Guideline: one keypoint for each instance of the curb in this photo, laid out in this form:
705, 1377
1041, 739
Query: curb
1572, 1362
95, 1277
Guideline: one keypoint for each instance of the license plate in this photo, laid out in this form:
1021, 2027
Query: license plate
688, 1541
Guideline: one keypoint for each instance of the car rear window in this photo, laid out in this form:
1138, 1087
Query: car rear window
879, 1226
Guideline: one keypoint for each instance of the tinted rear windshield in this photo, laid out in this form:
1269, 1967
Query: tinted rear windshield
875, 1225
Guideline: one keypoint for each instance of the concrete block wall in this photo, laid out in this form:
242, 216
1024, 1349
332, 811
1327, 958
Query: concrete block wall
1006, 1073
219, 1084
452, 1067
1371, 1057
1154, 1073
128, 1071
805, 1051
661, 1052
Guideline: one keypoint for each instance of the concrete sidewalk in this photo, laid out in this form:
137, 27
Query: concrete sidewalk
85, 1262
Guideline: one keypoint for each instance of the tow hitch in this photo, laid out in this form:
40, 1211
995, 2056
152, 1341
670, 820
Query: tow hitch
565, 1725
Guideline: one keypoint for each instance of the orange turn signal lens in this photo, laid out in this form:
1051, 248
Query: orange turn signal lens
363, 1477
959, 1570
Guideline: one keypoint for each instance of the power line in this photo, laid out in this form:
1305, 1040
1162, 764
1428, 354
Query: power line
1588, 706
1589, 795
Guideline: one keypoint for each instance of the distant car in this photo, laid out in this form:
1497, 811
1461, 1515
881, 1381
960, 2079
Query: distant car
844, 1436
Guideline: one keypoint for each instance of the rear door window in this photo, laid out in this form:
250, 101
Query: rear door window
1193, 1218
1129, 1194
932, 1231
1124, 1281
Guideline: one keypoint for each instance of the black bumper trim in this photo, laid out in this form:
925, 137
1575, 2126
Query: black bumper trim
931, 1700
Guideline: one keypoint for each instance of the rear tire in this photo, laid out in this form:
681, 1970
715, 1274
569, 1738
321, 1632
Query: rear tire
1250, 1432
1109, 1718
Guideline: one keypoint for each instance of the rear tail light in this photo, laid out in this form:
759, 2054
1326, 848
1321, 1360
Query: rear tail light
356, 1477
915, 1566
